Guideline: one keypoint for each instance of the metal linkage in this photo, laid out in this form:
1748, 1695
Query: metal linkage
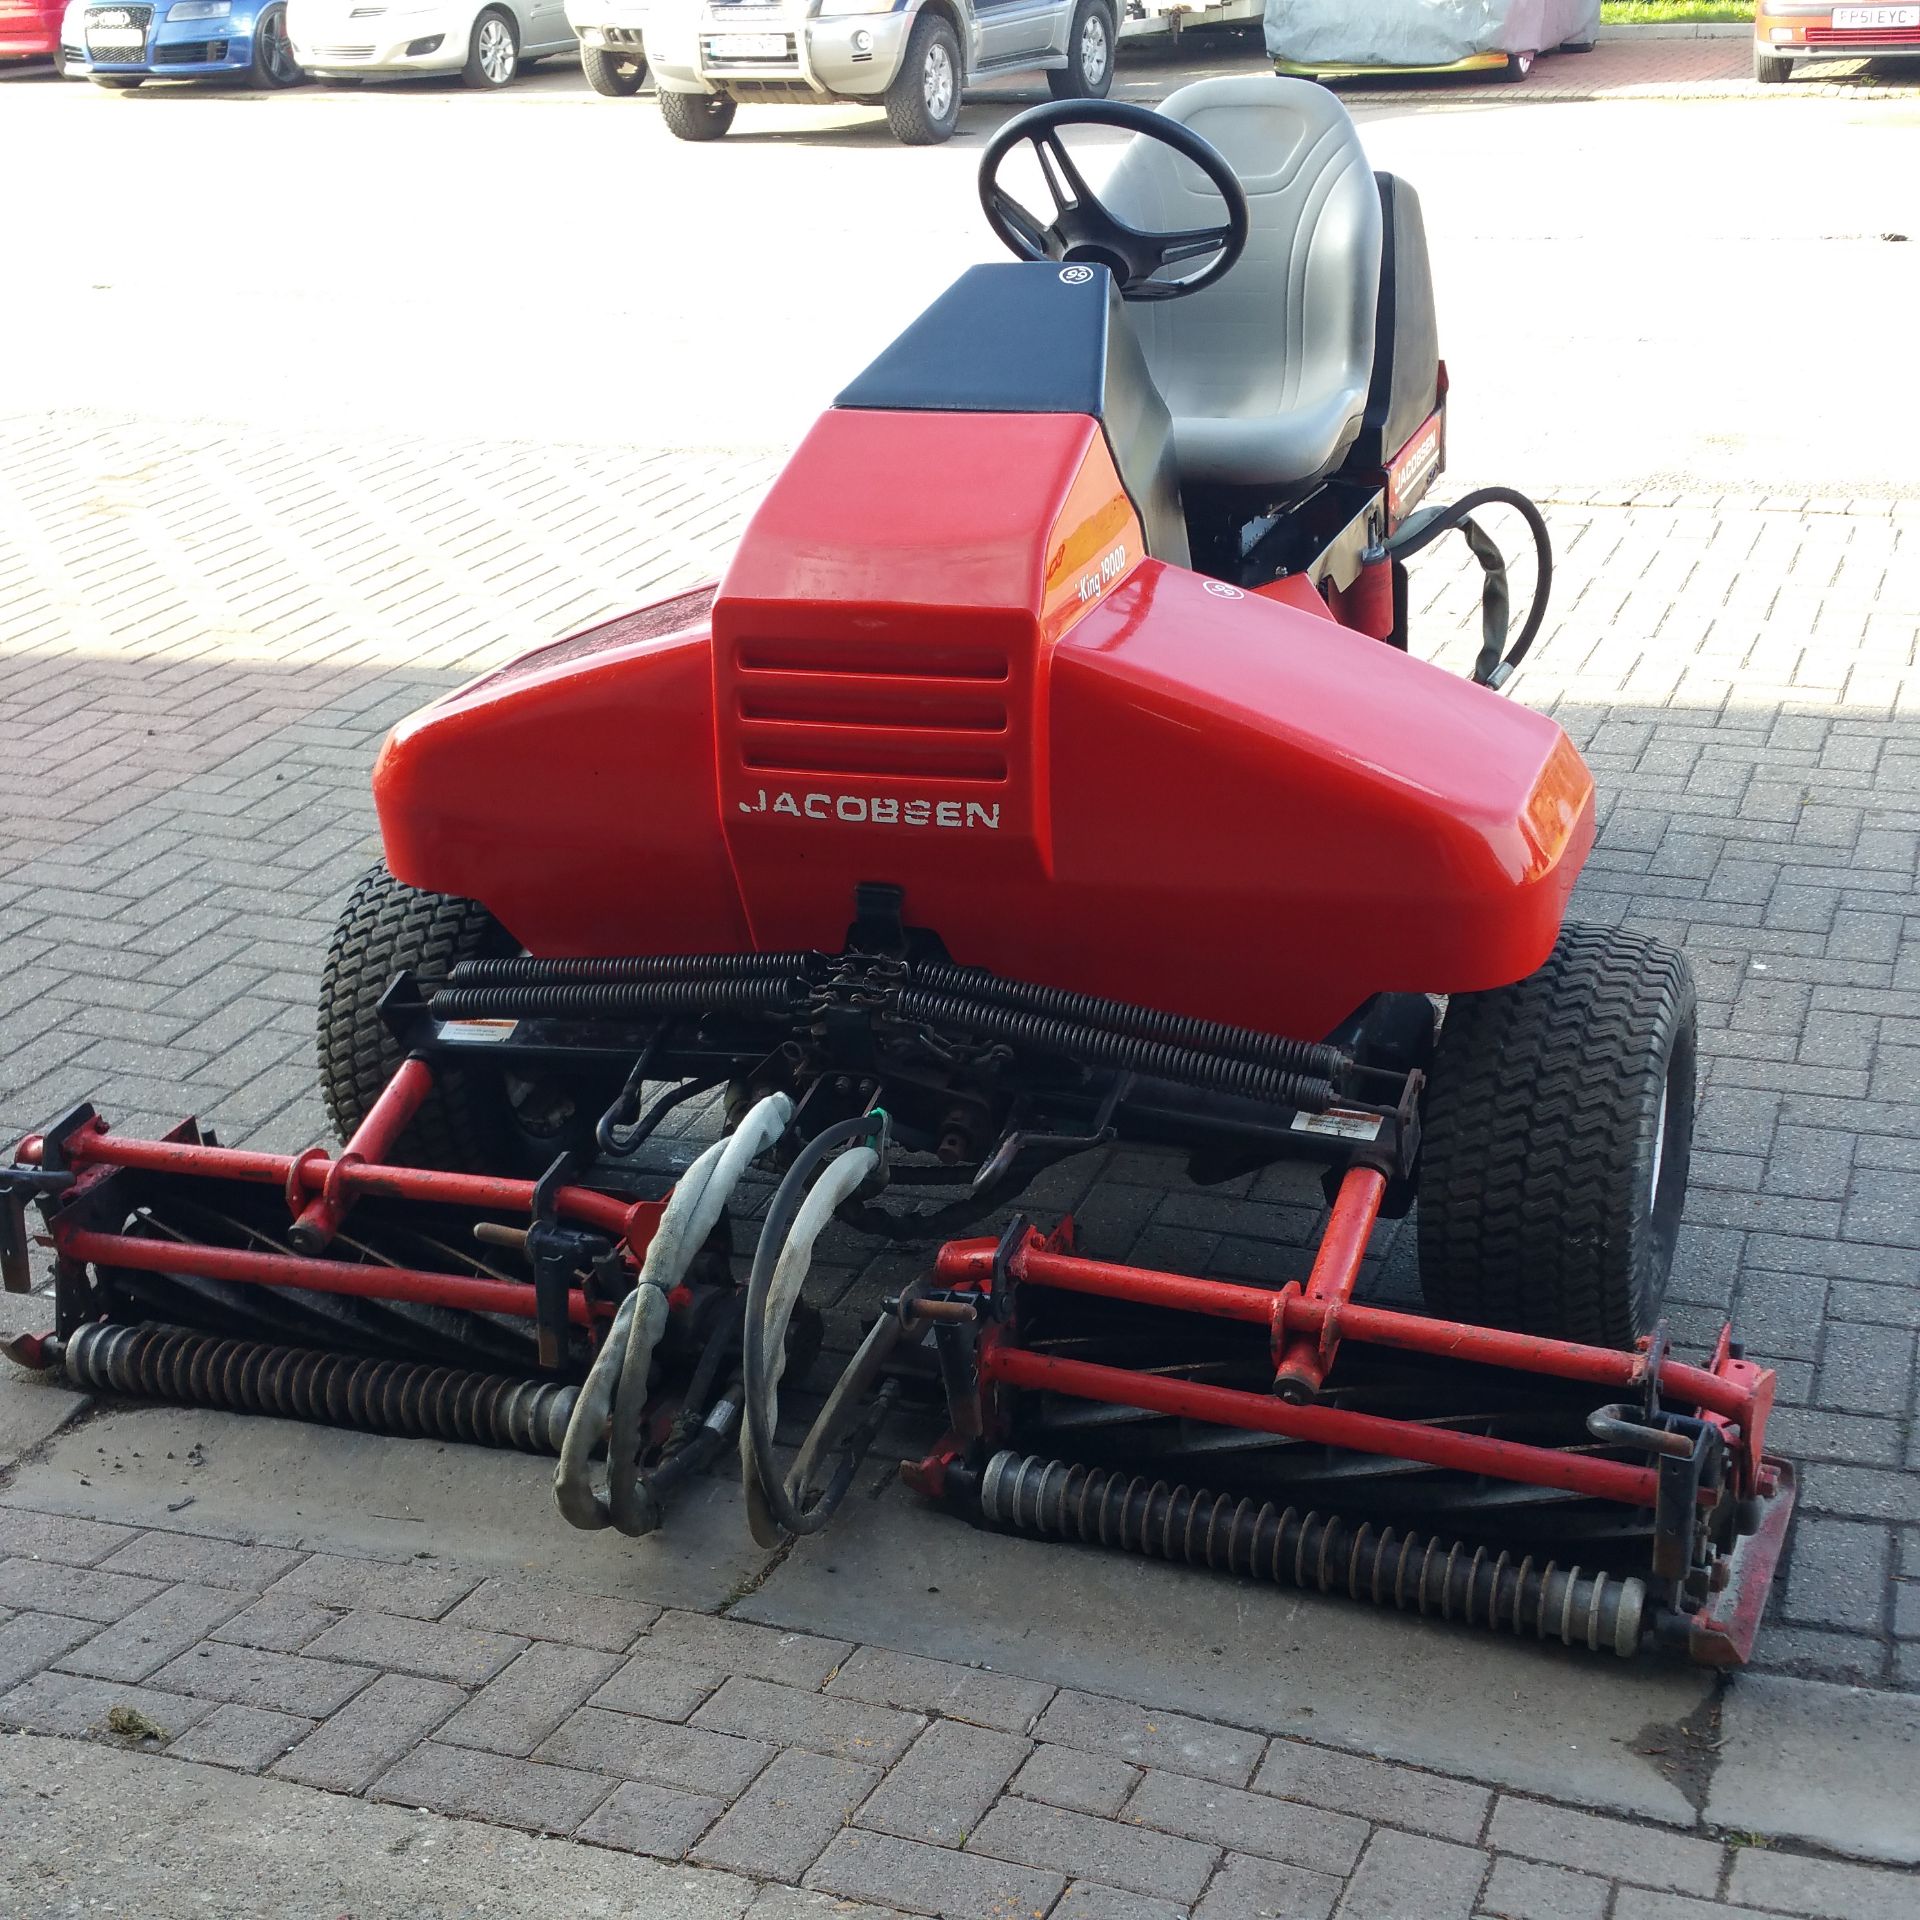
1318, 1552
524, 970
331, 1389
613, 999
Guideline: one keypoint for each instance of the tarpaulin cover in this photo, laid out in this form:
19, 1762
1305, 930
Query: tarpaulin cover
1421, 33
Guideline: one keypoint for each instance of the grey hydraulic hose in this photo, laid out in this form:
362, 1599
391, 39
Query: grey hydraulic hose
612, 1403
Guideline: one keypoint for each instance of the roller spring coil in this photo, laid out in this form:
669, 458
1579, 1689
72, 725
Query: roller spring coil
619, 999
1317, 1552
1144, 1023
1159, 1059
525, 970
331, 1389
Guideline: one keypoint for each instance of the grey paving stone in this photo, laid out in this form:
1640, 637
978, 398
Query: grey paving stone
541, 1612
797, 1903
1838, 1573
1248, 1822
1121, 1855
1085, 1901
1817, 1433
48, 1586
415, 1588
253, 1677
205, 1562
1637, 1903
246, 1738
643, 1818
76, 1706
728, 1647
60, 1536
1250, 1889
1065, 1777
952, 1774
1595, 1844
151, 1635
1375, 1790
1407, 1873
1528, 1890
1865, 1369
1827, 1889
515, 1712
781, 1825
853, 1729
635, 1749
660, 1687
1150, 1738
935, 1880
370, 1732
493, 1787
429, 1647
1865, 1493
937, 1687
31, 1641
277, 1623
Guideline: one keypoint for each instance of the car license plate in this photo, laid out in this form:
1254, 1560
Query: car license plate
1868, 19
115, 37
752, 46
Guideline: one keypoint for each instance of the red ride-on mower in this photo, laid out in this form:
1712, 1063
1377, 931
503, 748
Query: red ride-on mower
1049, 770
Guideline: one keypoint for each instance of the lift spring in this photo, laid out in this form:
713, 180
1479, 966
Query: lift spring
1320, 1552
332, 1389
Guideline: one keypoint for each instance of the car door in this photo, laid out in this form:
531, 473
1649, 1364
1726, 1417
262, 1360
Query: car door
543, 24
1010, 29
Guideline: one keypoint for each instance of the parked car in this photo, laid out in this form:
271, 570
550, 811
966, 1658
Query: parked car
910, 56
488, 43
613, 50
1788, 30
30, 30
123, 46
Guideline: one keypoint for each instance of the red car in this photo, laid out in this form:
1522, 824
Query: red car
30, 29
1788, 30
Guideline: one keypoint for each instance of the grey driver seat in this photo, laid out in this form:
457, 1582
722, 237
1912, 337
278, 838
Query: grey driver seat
1266, 372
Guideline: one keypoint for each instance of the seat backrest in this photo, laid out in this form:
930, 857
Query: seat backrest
1291, 326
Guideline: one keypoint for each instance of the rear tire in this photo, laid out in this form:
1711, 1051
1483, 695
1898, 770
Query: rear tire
1088, 74
923, 104
1557, 1130
1771, 69
618, 76
696, 116
465, 1126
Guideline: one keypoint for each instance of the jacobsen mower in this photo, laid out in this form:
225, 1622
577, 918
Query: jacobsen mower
1048, 771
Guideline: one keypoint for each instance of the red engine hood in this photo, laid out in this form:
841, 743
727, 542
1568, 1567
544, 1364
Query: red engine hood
941, 658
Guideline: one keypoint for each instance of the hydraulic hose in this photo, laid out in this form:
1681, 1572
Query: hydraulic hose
798, 1214
613, 1400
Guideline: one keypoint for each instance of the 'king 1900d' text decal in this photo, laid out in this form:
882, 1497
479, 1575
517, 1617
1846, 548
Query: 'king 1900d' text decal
858, 810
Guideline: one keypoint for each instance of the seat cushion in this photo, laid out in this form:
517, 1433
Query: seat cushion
1266, 372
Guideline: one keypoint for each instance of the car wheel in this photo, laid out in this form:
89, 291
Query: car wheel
696, 116
273, 61
615, 75
1088, 74
1519, 65
1771, 69
924, 101
493, 54
118, 82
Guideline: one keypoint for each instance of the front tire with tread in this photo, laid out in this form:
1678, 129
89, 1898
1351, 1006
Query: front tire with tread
1088, 74
486, 67
464, 1126
617, 76
696, 116
1557, 1129
922, 109
1771, 69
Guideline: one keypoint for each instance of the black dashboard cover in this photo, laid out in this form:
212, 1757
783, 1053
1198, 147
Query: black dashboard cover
1033, 337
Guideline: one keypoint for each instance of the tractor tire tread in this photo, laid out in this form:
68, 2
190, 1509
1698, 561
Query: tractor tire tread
1538, 1136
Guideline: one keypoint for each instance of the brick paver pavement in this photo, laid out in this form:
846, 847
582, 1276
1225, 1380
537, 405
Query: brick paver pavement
1741, 674
988, 1797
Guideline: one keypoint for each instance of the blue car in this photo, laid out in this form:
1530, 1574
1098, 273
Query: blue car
123, 45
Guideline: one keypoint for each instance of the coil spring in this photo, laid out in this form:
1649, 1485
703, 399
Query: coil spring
1418, 1573
1020, 1028
331, 1389
613, 999
1144, 1023
522, 970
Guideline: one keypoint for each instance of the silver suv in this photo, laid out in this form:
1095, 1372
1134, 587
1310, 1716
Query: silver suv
912, 56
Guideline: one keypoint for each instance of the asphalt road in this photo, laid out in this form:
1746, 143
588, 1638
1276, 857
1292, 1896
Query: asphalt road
1682, 293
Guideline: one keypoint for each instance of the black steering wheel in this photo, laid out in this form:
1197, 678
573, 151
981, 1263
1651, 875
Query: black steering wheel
1082, 229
